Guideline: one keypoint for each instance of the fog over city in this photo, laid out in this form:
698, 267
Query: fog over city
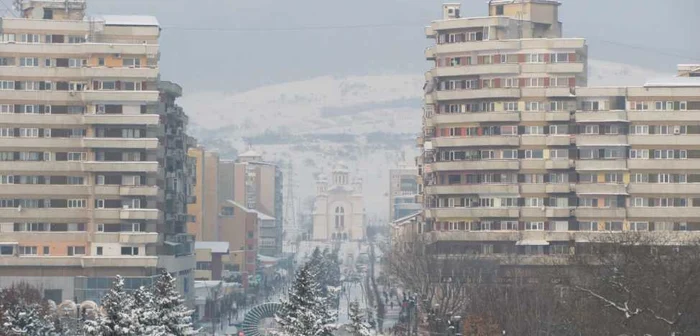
349, 168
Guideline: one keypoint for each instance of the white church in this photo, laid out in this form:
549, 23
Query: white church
339, 213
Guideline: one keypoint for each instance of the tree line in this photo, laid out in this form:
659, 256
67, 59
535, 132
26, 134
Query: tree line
158, 310
624, 284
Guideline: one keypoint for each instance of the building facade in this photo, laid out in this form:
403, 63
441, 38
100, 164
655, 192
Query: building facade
210, 257
204, 209
258, 186
403, 188
92, 165
339, 213
520, 157
240, 228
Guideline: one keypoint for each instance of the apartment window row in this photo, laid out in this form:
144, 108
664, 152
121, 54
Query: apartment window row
622, 153
500, 178
504, 130
501, 202
40, 109
548, 106
31, 179
49, 227
122, 227
132, 203
73, 86
43, 156
501, 154
508, 59
120, 132
37, 38
658, 105
469, 36
509, 82
7, 132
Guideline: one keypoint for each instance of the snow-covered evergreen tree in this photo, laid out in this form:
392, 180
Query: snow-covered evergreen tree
174, 318
357, 326
27, 319
118, 314
305, 310
145, 312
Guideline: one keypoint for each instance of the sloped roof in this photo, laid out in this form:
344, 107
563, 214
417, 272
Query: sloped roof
263, 216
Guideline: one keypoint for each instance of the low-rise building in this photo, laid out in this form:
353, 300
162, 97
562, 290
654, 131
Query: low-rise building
209, 259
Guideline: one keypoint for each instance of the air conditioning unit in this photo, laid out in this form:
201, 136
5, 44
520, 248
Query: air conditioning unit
676, 130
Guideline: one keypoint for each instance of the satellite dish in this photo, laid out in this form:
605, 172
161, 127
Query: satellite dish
38, 13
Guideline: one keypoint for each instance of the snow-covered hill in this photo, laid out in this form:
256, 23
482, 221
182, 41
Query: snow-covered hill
370, 122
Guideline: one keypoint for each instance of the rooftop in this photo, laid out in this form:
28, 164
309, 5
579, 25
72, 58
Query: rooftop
263, 216
129, 20
674, 82
214, 246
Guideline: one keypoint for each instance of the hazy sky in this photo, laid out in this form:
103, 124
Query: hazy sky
231, 45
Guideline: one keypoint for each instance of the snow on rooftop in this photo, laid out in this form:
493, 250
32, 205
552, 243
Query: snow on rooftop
129, 20
263, 216
674, 82
214, 246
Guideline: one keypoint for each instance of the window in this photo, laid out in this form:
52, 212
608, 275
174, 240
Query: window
100, 204
76, 39
339, 217
76, 63
558, 249
99, 250
100, 227
534, 154
6, 108
28, 62
534, 106
558, 154
534, 202
613, 226
128, 250
7, 132
29, 38
534, 58
639, 153
590, 106
29, 132
591, 129
613, 178
586, 202
109, 85
77, 203
561, 226
46, 250
510, 106
588, 226
27, 250
7, 179
560, 58
203, 265
533, 130
499, 10
77, 156
534, 226
558, 129
227, 211
639, 226
136, 203
7, 85
7, 37
132, 86
101, 61
76, 250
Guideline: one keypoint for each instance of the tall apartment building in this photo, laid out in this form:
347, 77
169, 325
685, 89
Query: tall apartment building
519, 157
204, 208
92, 154
403, 187
258, 186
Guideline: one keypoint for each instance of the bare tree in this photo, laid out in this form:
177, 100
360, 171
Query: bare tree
639, 283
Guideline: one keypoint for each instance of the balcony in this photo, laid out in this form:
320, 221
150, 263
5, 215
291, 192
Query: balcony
473, 165
557, 212
476, 94
664, 140
41, 143
42, 119
539, 92
79, 49
533, 188
538, 212
121, 166
601, 116
138, 237
472, 189
472, 70
41, 261
43, 214
665, 116
677, 164
42, 26
664, 188
43, 190
24, 238
140, 214
600, 165
462, 23
554, 188
120, 96
446, 213
533, 140
558, 116
601, 189
532, 164
16, 72
430, 53
120, 261
125, 143
552, 68
455, 118
122, 119
667, 214
558, 164
477, 46
138, 190
558, 140
601, 140
600, 212
479, 141
473, 236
